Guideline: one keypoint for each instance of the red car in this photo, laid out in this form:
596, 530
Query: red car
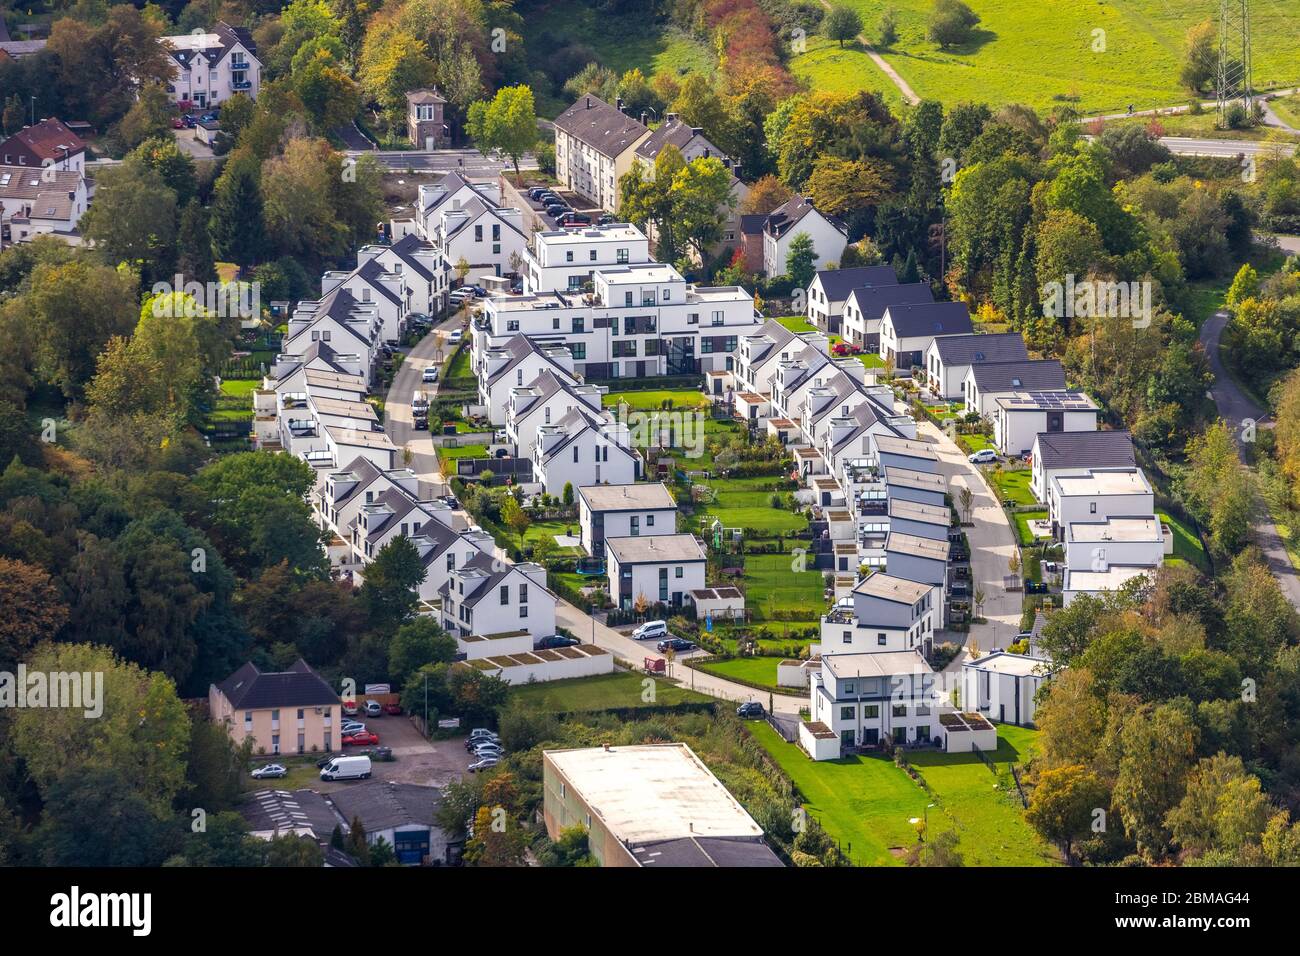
392, 709
364, 738
178, 123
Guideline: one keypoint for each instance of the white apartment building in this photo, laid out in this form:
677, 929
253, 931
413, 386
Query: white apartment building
488, 596
1077, 453
1125, 540
885, 612
371, 284
1002, 686
419, 267
1100, 494
516, 363
864, 698
209, 68
566, 260
544, 401
1019, 417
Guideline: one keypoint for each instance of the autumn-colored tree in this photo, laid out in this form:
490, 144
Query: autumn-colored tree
765, 195
34, 610
498, 839
840, 187
1065, 804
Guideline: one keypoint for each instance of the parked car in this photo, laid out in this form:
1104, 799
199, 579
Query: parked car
326, 759
374, 708
650, 630
555, 640
983, 457
360, 739
483, 764
606, 218
473, 742
489, 750
392, 709
575, 219
844, 348
352, 726
455, 336
270, 771
346, 768
750, 710
675, 644
478, 290
430, 374
535, 192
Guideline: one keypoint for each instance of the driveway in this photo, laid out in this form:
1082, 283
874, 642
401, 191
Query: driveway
586, 628
992, 542
429, 763
398, 422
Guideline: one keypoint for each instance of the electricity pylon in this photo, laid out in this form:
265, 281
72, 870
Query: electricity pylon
1232, 80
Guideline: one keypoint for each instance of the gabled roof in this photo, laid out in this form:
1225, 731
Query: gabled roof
214, 45
1085, 450
371, 272
405, 249
424, 95
867, 414
476, 209
383, 805
872, 301
925, 319
576, 422
49, 139
995, 377
977, 349
602, 127
250, 689
547, 383
674, 132
790, 213
838, 283
520, 347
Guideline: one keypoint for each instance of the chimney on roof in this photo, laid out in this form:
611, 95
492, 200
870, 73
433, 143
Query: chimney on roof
644, 114
618, 104
671, 117
735, 169
589, 102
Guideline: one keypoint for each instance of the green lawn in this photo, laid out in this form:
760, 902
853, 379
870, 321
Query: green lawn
828, 67
772, 585
1187, 546
797, 323
973, 442
240, 388
1288, 109
654, 400
757, 670
458, 376
1022, 524
1047, 52
1014, 485
447, 456
549, 529
866, 803
605, 692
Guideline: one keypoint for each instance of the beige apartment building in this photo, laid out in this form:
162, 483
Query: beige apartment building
285, 712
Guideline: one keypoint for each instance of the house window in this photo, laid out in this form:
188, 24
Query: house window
679, 572
850, 687
523, 594
635, 527
882, 639
627, 298
846, 713
248, 721
593, 255
478, 233
621, 257
870, 710
451, 560
568, 256
649, 519
848, 637
663, 584
505, 594
693, 318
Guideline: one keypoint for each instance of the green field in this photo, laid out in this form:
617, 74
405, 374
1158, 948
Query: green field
1022, 519
1187, 546
757, 670
771, 585
447, 456
606, 692
866, 803
1047, 53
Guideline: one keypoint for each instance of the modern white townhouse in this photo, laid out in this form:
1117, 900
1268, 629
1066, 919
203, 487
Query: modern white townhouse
798, 216
918, 520
566, 260
987, 382
624, 511
1020, 417
861, 699
810, 372
906, 331
865, 307
847, 438
583, 448
36, 201
1076, 453
949, 358
830, 290
515, 364
419, 267
763, 350
1125, 540
371, 284
921, 487
544, 401
659, 568
1100, 494
885, 612
595, 145
481, 237
451, 192
917, 559
487, 596
353, 330
209, 68
1002, 685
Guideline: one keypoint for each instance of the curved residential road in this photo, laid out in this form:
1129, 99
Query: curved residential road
1235, 407
587, 628
398, 422
992, 542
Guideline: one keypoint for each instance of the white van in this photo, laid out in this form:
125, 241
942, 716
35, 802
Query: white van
650, 630
346, 768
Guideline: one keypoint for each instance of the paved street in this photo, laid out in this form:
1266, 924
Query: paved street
1226, 148
397, 405
992, 542
586, 628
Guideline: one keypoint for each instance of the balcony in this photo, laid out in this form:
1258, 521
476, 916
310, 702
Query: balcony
241, 85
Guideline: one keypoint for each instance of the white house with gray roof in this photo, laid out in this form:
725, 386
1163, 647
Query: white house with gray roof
830, 290
866, 305
986, 382
209, 68
950, 357
627, 510
583, 448
795, 217
906, 330
885, 612
1019, 417
660, 568
1076, 453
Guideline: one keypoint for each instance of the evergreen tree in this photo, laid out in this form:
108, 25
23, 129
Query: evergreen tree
236, 223
194, 257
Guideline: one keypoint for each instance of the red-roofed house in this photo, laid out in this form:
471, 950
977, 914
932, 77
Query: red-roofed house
48, 143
